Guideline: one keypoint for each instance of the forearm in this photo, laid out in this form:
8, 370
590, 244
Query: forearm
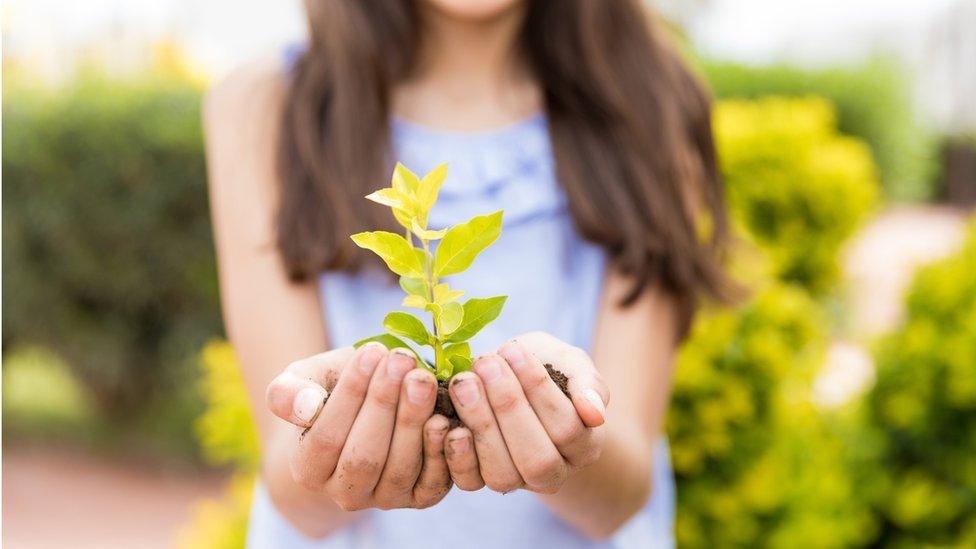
313, 514
602, 497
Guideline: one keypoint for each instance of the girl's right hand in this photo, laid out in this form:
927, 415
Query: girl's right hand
374, 442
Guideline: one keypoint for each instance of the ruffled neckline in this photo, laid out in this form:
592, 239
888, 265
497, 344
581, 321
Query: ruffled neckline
508, 168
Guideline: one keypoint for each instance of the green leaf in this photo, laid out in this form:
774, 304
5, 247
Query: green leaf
460, 364
459, 356
447, 316
414, 301
426, 234
405, 180
430, 186
413, 286
391, 342
407, 325
465, 241
443, 293
477, 314
394, 250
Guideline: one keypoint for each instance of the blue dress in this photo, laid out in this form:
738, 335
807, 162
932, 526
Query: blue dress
553, 279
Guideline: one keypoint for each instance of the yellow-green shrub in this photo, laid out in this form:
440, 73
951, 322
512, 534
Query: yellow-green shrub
797, 186
924, 405
753, 460
227, 436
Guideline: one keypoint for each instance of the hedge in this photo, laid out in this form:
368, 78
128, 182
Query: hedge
873, 103
799, 188
923, 406
106, 237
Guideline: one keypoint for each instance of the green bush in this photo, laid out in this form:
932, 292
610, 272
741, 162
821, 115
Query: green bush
754, 462
108, 258
873, 103
798, 188
924, 405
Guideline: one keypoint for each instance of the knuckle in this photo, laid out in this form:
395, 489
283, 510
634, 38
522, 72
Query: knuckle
545, 472
506, 401
395, 483
430, 496
348, 503
383, 398
504, 483
504, 486
323, 443
567, 433
535, 381
358, 468
307, 478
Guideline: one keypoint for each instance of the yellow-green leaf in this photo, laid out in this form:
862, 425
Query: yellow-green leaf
405, 180
414, 301
428, 190
394, 250
443, 293
426, 234
477, 314
459, 356
407, 325
464, 242
447, 316
413, 286
392, 342
391, 198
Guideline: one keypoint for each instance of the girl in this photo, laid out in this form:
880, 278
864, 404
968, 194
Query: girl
577, 120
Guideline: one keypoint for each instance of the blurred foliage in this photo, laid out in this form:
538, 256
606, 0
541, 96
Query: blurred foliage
226, 429
924, 405
873, 102
220, 524
798, 187
755, 462
228, 436
106, 237
41, 395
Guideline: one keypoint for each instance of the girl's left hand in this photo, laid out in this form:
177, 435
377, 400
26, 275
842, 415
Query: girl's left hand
521, 430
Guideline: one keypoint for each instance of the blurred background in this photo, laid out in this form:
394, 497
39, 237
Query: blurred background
836, 407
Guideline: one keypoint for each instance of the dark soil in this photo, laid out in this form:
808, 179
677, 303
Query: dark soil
560, 378
445, 407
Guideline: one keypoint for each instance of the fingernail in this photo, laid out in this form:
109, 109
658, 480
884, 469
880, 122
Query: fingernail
488, 369
513, 355
596, 400
399, 363
419, 391
307, 403
370, 357
466, 392
460, 446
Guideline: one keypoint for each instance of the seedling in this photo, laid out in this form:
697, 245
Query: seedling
422, 268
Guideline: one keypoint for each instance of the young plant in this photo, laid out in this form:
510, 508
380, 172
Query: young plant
422, 268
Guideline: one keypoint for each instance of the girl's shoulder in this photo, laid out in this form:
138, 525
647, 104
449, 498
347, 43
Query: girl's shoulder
246, 102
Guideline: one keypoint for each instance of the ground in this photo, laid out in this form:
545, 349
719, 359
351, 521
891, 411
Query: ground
59, 498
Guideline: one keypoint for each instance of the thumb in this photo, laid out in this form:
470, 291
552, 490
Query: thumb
295, 399
590, 401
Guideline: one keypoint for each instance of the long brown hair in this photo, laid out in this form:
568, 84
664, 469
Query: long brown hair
630, 128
